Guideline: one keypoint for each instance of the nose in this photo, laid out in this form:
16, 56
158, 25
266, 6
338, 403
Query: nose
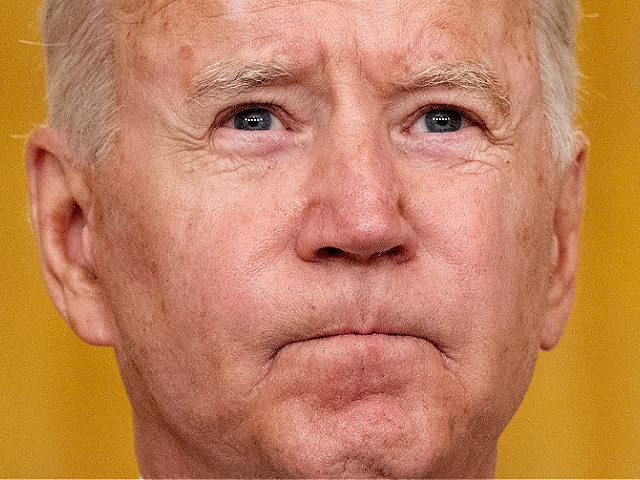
354, 206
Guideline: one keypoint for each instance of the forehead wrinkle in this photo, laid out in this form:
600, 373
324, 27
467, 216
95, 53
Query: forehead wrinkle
461, 75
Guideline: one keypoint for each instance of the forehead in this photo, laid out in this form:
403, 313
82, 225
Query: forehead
179, 37
145, 9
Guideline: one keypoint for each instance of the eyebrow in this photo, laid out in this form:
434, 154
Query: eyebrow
229, 77
466, 76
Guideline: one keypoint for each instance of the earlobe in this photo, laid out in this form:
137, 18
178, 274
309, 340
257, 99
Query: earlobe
564, 254
60, 204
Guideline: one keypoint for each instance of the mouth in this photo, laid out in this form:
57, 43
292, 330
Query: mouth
346, 332
360, 333
356, 343
357, 334
348, 339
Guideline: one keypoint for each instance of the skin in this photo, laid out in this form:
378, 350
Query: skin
342, 296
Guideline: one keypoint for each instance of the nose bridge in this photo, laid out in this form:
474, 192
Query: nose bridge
355, 175
367, 187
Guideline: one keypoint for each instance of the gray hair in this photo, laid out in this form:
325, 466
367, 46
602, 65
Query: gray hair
78, 43
78, 39
556, 29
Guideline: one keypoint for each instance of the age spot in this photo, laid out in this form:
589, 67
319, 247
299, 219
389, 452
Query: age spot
185, 57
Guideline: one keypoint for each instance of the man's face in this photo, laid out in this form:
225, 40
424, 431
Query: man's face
326, 238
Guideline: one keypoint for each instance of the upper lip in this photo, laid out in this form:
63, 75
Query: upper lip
352, 313
341, 319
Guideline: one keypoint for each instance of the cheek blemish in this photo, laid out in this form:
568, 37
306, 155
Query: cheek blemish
185, 57
186, 54
524, 237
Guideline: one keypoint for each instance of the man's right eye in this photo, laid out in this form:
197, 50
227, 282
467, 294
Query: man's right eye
255, 119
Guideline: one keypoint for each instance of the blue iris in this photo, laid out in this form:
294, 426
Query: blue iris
253, 120
442, 121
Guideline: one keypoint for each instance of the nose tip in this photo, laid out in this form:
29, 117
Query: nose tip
364, 226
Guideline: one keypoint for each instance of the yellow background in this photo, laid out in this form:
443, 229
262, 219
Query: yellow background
63, 411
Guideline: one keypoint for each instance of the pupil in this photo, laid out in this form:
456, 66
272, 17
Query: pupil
442, 121
252, 120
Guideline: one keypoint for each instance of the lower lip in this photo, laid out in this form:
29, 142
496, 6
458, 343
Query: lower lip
363, 349
348, 367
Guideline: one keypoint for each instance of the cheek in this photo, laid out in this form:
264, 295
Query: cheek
466, 228
166, 256
181, 268
484, 241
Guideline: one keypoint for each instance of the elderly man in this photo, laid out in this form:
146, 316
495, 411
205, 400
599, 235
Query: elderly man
324, 238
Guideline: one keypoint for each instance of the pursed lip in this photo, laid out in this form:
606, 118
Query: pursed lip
386, 330
359, 332
382, 318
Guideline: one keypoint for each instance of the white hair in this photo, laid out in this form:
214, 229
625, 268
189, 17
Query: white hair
79, 50
556, 30
78, 42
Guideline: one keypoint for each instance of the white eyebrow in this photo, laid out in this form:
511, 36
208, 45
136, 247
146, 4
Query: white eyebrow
227, 77
468, 76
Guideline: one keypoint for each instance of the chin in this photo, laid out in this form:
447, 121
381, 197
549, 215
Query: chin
369, 459
374, 439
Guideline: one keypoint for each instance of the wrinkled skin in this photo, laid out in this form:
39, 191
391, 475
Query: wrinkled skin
343, 295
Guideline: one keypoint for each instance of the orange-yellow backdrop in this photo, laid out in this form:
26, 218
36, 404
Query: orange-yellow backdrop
63, 411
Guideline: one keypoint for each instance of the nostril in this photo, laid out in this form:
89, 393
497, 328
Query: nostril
330, 252
395, 251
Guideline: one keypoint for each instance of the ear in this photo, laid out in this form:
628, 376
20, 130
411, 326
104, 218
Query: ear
60, 203
566, 225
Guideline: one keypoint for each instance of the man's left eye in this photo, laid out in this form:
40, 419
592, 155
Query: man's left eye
255, 119
441, 120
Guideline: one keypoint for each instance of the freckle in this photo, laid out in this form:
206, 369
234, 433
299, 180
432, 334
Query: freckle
186, 53
524, 236
441, 24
